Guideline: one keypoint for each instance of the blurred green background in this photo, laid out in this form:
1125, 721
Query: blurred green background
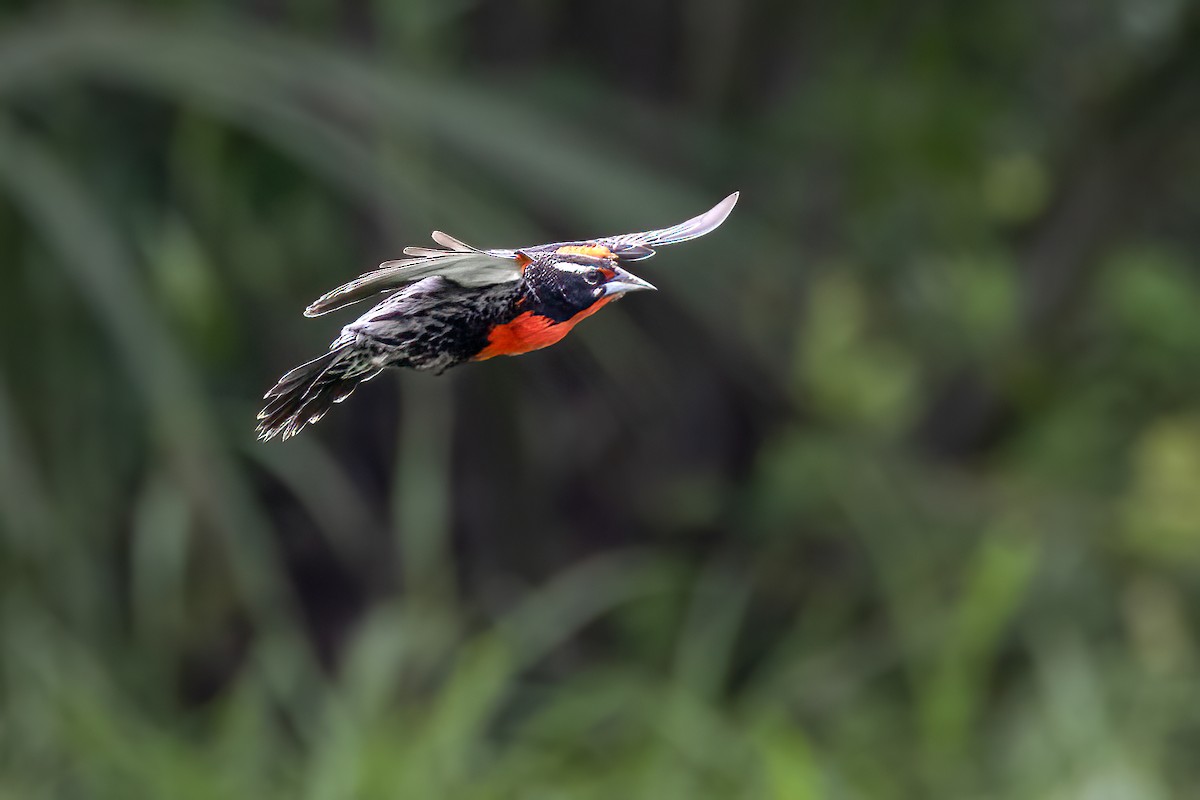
892, 491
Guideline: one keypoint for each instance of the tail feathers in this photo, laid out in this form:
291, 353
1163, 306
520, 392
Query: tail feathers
306, 393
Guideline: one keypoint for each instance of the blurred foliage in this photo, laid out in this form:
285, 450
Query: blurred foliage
892, 491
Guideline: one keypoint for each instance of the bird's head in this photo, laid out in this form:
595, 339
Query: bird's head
566, 284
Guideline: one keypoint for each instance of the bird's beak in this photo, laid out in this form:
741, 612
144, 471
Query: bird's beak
623, 282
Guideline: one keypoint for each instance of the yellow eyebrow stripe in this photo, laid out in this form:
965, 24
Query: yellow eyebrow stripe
593, 250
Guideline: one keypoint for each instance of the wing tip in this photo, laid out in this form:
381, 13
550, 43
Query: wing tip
725, 207
323, 304
453, 243
706, 223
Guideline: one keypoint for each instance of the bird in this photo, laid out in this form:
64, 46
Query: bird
454, 304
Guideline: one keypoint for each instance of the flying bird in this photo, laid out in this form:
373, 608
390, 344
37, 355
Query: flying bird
457, 304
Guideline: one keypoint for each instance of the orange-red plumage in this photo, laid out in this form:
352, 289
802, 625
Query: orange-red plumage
532, 331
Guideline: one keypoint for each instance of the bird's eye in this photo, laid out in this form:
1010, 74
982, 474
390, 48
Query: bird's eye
592, 276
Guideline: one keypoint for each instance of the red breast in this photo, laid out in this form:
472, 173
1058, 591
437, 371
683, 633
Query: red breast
532, 331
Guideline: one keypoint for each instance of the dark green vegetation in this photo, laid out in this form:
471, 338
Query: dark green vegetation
892, 491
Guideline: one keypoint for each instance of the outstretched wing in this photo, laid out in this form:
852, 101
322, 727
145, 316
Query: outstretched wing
462, 264
637, 246
470, 266
694, 228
